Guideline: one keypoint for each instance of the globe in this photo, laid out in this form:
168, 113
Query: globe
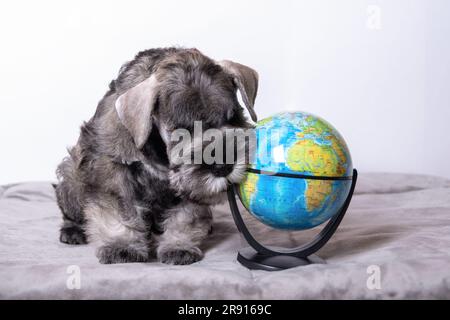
300, 174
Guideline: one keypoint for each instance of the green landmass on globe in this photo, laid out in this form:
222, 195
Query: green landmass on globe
303, 144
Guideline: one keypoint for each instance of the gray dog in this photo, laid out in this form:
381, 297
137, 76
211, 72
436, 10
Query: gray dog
119, 186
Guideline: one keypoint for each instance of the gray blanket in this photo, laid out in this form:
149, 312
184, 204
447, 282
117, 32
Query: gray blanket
393, 243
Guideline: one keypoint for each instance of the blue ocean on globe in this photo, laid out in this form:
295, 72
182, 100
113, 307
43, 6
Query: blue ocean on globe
296, 143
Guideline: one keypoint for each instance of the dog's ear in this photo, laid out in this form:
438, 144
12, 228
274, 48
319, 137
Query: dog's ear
135, 107
246, 79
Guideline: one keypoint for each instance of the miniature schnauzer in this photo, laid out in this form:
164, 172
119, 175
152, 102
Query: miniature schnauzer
121, 186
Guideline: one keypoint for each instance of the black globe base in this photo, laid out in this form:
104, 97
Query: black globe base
261, 257
253, 260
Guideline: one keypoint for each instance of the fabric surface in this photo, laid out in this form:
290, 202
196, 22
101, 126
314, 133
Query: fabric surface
397, 223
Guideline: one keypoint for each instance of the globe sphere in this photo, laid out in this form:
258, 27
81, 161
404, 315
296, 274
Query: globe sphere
300, 173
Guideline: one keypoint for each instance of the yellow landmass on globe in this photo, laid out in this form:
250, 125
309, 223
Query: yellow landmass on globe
322, 129
321, 160
336, 145
331, 157
247, 188
316, 193
307, 156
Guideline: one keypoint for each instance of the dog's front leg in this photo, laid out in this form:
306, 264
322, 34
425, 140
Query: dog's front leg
185, 227
120, 233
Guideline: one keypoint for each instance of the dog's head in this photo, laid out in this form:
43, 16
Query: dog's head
191, 101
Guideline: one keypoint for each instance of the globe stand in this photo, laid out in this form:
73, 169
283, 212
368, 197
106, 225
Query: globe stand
261, 257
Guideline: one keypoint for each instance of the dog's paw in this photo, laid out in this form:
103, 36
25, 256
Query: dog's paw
112, 253
72, 235
179, 256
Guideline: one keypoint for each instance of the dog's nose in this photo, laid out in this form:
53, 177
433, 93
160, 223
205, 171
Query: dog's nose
221, 170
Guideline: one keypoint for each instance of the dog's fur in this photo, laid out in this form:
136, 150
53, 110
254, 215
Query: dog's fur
119, 186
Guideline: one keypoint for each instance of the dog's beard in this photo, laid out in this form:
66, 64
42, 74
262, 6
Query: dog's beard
194, 183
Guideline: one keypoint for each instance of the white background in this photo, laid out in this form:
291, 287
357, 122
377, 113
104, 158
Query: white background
381, 75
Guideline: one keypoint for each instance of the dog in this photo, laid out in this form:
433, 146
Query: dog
121, 188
